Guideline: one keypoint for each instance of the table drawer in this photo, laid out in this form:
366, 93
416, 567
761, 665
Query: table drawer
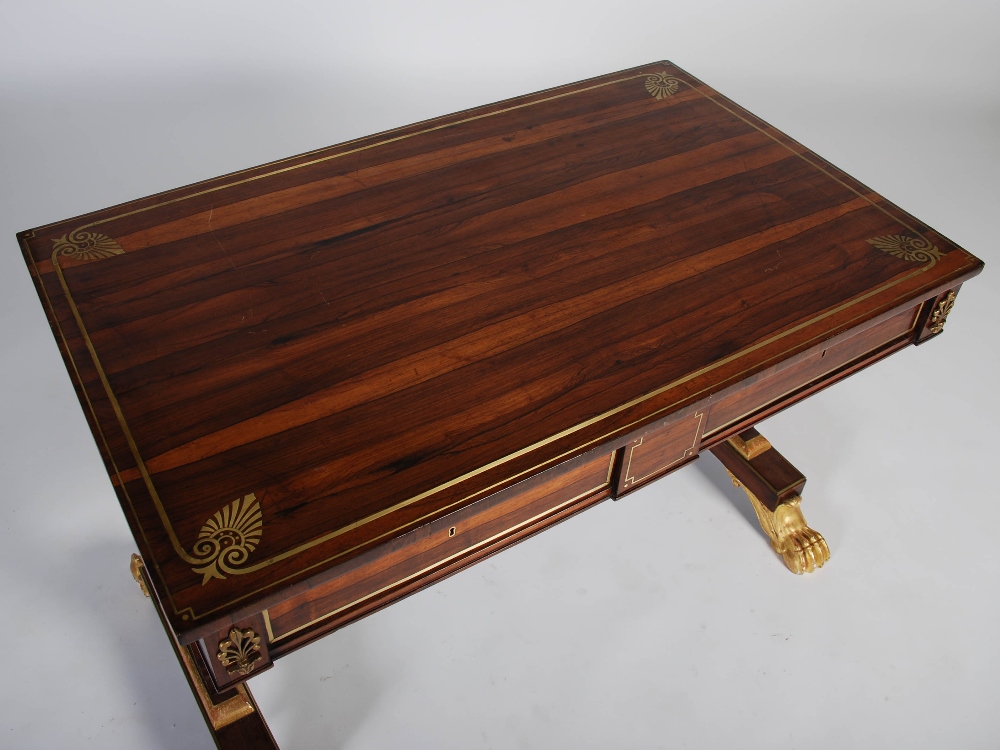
661, 450
783, 379
441, 547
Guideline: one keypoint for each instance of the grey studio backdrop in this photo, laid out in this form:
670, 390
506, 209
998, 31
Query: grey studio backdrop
662, 621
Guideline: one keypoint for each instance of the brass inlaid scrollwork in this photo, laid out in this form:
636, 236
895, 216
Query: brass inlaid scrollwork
915, 249
940, 314
662, 85
239, 651
227, 538
82, 245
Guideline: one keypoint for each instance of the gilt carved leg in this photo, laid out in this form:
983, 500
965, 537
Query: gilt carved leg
774, 486
232, 715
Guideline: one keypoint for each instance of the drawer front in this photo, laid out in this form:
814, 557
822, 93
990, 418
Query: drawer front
441, 546
775, 383
657, 452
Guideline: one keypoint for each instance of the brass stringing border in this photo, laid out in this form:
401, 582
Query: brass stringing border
326, 537
468, 550
716, 430
226, 539
688, 452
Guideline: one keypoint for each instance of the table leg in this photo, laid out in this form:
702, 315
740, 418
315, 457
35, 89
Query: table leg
233, 718
774, 486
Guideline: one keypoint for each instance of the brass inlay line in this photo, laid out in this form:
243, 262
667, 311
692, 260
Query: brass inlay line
175, 543
776, 399
22, 240
629, 479
267, 620
221, 714
387, 378
361, 148
544, 464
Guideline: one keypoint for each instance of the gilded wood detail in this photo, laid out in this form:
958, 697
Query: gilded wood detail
802, 549
940, 314
751, 448
221, 714
135, 565
239, 652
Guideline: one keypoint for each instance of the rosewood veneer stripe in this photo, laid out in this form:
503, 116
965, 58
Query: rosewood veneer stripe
484, 342
366, 177
366, 463
367, 337
419, 286
487, 187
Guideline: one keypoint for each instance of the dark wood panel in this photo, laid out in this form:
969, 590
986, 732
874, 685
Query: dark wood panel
768, 475
654, 454
232, 716
257, 654
451, 539
776, 382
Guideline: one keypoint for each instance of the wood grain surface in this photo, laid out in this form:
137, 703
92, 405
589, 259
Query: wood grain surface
366, 337
439, 548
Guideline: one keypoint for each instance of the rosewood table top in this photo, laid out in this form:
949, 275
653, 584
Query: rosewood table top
286, 366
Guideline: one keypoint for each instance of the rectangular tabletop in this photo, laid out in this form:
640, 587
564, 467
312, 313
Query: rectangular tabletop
288, 365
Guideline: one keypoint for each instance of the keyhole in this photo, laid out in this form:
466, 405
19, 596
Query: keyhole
451, 531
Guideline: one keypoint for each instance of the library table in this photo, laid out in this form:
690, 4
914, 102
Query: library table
324, 383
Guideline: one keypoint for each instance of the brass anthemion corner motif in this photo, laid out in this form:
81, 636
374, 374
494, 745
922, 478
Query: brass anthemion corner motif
802, 549
940, 314
915, 249
240, 651
83, 245
661, 85
227, 538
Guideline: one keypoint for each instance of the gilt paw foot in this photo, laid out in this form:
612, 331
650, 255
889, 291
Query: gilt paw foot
802, 549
